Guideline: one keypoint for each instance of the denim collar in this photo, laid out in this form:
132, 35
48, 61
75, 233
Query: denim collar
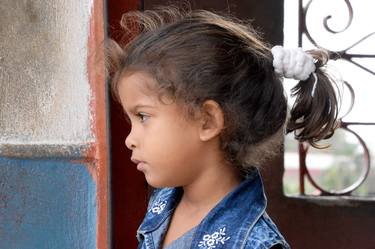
230, 221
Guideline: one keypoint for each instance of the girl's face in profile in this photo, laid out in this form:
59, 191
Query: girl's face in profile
165, 144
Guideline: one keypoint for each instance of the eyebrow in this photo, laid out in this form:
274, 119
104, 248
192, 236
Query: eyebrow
133, 109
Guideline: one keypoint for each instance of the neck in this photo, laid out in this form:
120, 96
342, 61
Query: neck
211, 187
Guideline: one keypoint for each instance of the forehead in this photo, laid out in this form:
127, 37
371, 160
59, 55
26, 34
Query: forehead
140, 89
137, 87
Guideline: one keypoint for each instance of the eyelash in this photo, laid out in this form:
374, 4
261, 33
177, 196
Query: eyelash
143, 117
140, 115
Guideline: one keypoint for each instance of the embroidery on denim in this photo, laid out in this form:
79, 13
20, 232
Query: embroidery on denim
210, 241
158, 207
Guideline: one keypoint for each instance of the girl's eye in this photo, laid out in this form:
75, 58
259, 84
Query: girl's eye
142, 117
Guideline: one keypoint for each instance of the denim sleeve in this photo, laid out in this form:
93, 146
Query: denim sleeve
265, 235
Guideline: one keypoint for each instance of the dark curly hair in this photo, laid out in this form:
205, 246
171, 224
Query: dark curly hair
199, 55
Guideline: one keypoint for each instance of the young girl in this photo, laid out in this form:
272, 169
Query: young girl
206, 105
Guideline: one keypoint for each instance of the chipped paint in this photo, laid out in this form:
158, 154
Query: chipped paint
99, 108
44, 89
21, 150
46, 204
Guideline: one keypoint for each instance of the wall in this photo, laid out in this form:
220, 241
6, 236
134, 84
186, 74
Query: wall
53, 131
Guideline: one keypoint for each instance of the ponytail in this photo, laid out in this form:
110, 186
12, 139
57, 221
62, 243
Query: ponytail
314, 113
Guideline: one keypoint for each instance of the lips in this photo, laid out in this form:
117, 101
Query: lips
136, 161
140, 164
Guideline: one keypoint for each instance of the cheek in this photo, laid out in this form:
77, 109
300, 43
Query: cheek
174, 156
177, 144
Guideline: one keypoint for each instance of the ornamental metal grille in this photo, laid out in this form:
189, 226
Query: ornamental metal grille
346, 29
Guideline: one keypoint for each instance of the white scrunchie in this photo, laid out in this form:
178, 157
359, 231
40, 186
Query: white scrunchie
292, 63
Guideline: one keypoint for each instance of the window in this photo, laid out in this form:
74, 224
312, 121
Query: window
345, 28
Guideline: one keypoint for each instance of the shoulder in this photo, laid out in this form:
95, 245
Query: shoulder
265, 235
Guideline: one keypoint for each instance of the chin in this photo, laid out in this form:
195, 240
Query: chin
160, 183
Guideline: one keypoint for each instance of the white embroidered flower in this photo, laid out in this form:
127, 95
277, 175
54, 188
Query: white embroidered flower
210, 241
158, 207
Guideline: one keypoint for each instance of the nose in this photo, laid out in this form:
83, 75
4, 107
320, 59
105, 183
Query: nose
130, 142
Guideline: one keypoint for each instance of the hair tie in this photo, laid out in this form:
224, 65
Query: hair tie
294, 63
314, 85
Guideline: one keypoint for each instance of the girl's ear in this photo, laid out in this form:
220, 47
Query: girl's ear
212, 120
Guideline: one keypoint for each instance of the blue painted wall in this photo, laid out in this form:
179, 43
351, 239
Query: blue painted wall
46, 204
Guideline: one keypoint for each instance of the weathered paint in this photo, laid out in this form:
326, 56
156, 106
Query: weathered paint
46, 204
44, 90
99, 126
53, 122
45, 150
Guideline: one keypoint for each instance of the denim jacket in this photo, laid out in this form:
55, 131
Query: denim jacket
238, 221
